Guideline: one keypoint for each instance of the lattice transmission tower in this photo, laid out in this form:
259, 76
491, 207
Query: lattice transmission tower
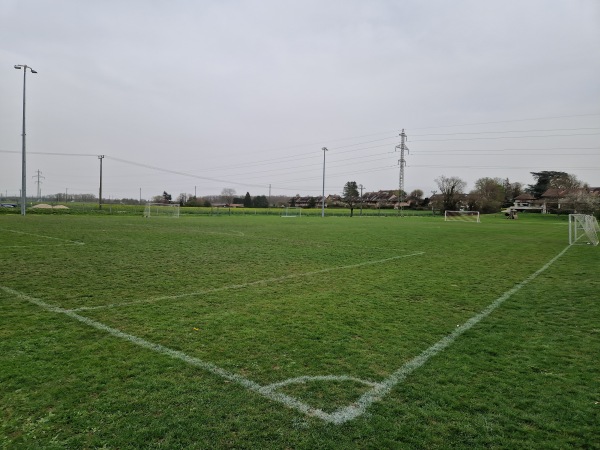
402, 162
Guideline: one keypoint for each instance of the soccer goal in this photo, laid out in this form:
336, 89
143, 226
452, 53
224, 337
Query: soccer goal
292, 211
161, 210
461, 216
583, 229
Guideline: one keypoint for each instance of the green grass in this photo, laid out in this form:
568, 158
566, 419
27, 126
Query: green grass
270, 299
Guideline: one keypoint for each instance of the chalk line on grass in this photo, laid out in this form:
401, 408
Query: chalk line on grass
245, 285
41, 236
339, 416
286, 400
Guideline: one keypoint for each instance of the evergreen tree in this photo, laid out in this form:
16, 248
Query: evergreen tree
247, 200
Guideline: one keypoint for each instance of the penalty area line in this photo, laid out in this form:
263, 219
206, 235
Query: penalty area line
42, 236
245, 285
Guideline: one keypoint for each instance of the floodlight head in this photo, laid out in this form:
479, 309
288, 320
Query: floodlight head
33, 71
17, 66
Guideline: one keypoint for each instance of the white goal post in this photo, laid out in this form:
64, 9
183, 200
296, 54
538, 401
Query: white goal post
583, 229
292, 211
161, 210
461, 216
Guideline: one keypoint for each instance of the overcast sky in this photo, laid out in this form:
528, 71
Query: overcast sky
197, 96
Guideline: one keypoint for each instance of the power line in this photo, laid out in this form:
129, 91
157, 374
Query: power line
508, 131
507, 137
508, 121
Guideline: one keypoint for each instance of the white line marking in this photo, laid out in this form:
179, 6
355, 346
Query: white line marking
245, 285
305, 379
341, 415
176, 354
41, 236
368, 398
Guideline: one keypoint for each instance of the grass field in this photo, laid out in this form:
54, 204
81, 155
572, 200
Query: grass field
269, 332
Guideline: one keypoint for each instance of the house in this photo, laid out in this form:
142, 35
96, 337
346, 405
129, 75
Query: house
574, 199
527, 202
380, 199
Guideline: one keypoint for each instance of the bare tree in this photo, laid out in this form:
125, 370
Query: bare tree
228, 194
488, 194
452, 190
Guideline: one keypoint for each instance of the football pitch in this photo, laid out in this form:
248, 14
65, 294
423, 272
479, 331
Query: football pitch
306, 332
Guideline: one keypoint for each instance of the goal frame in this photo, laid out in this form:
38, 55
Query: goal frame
583, 229
462, 216
161, 210
292, 211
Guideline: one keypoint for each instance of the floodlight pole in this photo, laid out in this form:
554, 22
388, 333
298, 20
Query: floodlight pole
101, 157
24, 159
361, 197
323, 197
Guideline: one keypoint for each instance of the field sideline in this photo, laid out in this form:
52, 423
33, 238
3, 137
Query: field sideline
254, 331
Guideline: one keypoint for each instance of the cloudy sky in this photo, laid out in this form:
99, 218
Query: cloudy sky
197, 96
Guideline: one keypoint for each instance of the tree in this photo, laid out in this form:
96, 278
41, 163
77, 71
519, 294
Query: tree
260, 201
350, 195
182, 199
565, 181
417, 194
166, 198
451, 190
247, 200
511, 191
544, 181
488, 195
417, 197
228, 194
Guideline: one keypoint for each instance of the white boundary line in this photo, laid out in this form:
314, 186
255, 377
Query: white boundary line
339, 416
245, 285
40, 236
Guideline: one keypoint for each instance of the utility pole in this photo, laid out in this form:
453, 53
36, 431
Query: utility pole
38, 175
430, 201
402, 163
361, 197
323, 198
100, 157
269, 195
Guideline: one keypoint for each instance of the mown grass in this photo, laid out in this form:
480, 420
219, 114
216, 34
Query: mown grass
272, 299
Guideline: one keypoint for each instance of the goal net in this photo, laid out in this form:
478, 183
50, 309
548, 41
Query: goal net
583, 229
292, 211
161, 210
461, 216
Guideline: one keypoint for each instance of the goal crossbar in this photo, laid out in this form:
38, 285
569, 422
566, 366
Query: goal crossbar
462, 216
161, 210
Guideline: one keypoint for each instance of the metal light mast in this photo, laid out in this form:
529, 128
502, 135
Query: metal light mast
24, 160
323, 198
101, 157
402, 163
361, 197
